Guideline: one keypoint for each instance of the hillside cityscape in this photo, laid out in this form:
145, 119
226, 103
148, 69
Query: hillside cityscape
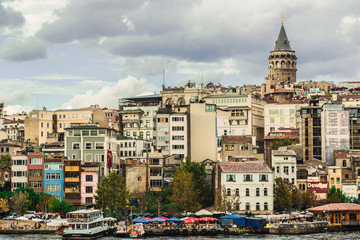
251, 149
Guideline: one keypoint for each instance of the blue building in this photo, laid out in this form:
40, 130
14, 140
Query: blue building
54, 177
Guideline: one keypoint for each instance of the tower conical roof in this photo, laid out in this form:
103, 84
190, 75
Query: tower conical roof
282, 42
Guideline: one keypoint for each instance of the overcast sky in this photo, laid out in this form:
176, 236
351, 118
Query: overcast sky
69, 54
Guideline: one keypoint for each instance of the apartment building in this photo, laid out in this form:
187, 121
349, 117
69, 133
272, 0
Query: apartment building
41, 123
172, 132
235, 148
89, 177
54, 177
91, 143
282, 115
72, 183
35, 172
335, 131
284, 164
248, 186
239, 115
19, 171
54, 150
15, 129
133, 148
8, 148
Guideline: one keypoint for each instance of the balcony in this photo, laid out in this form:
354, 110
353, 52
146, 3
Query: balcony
72, 168
72, 190
72, 179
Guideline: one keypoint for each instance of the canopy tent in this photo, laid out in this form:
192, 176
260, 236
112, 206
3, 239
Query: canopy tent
39, 214
173, 219
163, 217
190, 220
157, 219
146, 218
230, 220
203, 212
207, 219
140, 220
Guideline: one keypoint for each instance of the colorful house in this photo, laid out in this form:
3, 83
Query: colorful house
54, 177
72, 181
35, 171
89, 177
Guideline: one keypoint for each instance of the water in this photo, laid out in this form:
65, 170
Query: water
317, 236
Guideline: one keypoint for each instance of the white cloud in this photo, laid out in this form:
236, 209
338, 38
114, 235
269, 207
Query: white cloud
58, 76
108, 96
205, 77
13, 109
15, 97
26, 49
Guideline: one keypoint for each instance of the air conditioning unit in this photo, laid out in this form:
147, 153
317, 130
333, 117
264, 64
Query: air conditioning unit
74, 188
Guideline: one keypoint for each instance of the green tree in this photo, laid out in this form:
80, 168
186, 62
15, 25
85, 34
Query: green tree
183, 191
147, 203
335, 195
199, 176
302, 199
282, 196
286, 141
20, 203
172, 209
112, 195
62, 207
44, 202
4, 206
5, 160
33, 196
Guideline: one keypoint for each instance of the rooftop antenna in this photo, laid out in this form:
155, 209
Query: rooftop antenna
202, 76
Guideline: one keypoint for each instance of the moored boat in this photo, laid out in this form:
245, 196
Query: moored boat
136, 230
85, 224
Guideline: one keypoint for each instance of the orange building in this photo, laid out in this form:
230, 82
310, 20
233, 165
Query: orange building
347, 214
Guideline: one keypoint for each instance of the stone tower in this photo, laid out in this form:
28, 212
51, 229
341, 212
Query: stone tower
282, 64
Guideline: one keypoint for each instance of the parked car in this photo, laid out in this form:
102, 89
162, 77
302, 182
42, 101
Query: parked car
12, 216
30, 214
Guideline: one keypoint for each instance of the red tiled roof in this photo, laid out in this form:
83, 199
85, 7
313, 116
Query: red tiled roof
337, 207
236, 138
283, 90
256, 166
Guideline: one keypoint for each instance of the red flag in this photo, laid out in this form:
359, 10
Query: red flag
109, 158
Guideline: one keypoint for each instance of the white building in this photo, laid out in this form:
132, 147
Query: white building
282, 115
132, 148
19, 171
284, 164
171, 133
248, 186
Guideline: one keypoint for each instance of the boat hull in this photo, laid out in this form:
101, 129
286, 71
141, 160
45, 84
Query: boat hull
75, 236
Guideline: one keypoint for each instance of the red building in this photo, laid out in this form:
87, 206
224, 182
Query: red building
281, 133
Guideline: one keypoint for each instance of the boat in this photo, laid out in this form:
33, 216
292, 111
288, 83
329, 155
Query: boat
298, 228
136, 230
85, 224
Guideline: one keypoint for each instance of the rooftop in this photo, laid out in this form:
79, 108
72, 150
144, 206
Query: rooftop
246, 167
283, 153
234, 138
337, 207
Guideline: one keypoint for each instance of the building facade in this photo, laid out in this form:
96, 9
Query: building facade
36, 172
54, 177
19, 171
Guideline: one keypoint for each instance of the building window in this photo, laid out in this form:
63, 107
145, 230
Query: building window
89, 178
248, 178
286, 158
257, 192
18, 184
35, 161
99, 146
88, 145
257, 206
155, 183
225, 132
266, 206
88, 200
247, 208
292, 169
178, 128
265, 192
277, 169
53, 176
286, 169
229, 147
35, 184
19, 173
53, 188
247, 192
76, 146
19, 162
178, 119
228, 192
89, 189
237, 192
263, 178
230, 177
272, 120
35, 173
93, 133
177, 146
344, 163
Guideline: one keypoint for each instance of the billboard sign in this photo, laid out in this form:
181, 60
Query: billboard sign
349, 190
319, 188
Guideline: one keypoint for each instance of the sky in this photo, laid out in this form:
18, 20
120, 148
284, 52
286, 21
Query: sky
74, 53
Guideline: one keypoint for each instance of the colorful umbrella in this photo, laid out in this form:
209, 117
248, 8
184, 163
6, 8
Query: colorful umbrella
207, 219
173, 219
190, 220
140, 220
146, 218
163, 217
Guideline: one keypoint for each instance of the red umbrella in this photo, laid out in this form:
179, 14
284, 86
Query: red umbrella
207, 219
190, 220
39, 213
163, 217
146, 218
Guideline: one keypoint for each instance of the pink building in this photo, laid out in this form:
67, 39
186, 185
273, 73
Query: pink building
89, 178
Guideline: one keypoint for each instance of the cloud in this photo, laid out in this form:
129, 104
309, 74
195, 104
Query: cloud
108, 96
58, 76
9, 17
13, 109
149, 65
15, 97
206, 77
20, 50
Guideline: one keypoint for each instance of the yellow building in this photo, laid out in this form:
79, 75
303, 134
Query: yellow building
335, 176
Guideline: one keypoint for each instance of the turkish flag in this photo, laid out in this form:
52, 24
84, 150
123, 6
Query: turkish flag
109, 158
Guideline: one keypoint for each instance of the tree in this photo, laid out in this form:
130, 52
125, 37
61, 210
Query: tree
225, 202
282, 196
112, 195
20, 203
286, 141
183, 191
302, 199
5, 160
32, 196
172, 209
62, 207
4, 205
199, 176
44, 202
335, 195
147, 203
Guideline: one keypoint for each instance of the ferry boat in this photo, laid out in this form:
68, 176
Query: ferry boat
85, 224
136, 230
